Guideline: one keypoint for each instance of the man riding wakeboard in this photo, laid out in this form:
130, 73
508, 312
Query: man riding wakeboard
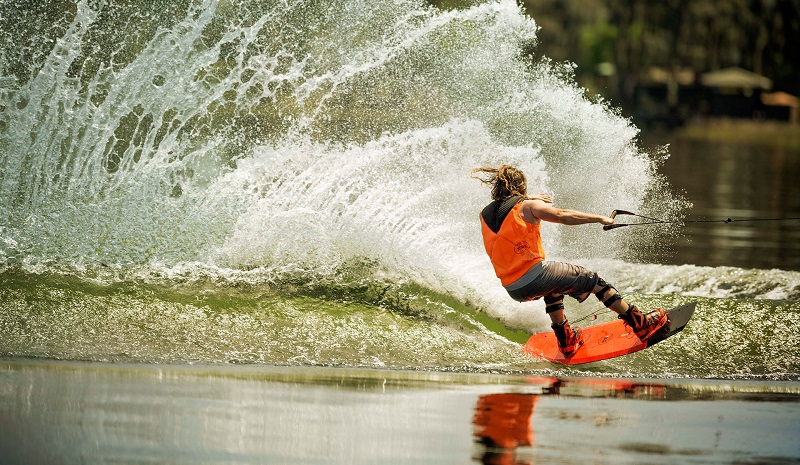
511, 236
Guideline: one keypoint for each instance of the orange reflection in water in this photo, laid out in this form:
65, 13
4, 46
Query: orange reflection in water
503, 422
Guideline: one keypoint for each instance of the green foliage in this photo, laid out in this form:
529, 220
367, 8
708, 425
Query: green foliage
597, 43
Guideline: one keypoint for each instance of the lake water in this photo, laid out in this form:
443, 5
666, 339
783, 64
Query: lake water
739, 181
245, 232
56, 412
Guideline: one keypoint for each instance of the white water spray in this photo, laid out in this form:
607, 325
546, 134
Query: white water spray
300, 136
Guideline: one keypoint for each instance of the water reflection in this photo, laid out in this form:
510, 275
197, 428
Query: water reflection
69, 412
503, 422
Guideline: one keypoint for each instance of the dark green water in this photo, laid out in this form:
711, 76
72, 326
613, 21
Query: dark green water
111, 316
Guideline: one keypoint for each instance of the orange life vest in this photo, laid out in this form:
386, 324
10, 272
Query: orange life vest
513, 244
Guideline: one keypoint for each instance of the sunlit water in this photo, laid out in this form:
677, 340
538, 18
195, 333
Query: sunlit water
96, 413
285, 185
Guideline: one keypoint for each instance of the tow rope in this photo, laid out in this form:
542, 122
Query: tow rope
609, 227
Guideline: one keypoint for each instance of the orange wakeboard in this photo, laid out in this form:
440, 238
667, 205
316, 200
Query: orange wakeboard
606, 340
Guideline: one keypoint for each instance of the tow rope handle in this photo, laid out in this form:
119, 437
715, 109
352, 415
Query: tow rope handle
609, 227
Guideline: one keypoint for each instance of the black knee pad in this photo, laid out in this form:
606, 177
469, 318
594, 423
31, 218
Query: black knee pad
605, 286
553, 303
551, 299
611, 300
608, 302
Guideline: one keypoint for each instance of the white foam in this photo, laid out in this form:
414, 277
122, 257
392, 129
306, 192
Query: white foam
348, 133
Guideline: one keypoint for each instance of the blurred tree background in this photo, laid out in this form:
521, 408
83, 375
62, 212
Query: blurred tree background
617, 43
622, 46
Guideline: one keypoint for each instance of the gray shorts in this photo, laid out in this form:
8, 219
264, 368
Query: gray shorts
554, 279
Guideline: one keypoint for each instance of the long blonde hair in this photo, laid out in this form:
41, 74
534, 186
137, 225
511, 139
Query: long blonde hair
506, 181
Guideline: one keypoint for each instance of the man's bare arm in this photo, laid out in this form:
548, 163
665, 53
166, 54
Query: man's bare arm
534, 210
